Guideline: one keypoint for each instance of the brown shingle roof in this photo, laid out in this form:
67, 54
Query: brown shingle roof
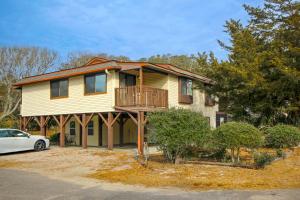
101, 64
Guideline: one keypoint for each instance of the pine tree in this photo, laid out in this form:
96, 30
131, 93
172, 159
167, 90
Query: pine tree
260, 81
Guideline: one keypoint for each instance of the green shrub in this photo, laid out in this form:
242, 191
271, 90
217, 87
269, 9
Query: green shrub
263, 159
235, 135
54, 138
282, 136
280, 153
177, 130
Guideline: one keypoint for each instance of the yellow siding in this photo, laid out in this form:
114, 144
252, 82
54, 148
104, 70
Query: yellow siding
156, 80
36, 98
198, 101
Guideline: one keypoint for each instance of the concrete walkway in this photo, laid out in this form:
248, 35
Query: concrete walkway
15, 184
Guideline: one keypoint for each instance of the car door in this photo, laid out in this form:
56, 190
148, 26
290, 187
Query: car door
6, 142
21, 140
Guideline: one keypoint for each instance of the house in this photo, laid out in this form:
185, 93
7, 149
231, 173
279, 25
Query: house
105, 102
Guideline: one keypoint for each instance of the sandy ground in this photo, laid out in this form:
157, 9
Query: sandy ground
68, 164
112, 169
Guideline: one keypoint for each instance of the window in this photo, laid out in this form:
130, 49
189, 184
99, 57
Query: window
91, 128
59, 88
185, 90
209, 100
95, 83
186, 87
127, 80
12, 133
72, 128
3, 133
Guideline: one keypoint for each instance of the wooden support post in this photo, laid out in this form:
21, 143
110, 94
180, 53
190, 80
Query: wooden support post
62, 131
42, 126
141, 129
110, 132
84, 131
100, 123
121, 126
80, 132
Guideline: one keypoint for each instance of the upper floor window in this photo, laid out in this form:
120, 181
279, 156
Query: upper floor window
59, 88
185, 90
90, 127
95, 83
209, 100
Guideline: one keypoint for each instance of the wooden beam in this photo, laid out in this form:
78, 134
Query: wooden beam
110, 136
121, 130
114, 120
47, 120
141, 129
27, 120
62, 131
104, 120
42, 125
57, 121
100, 123
37, 121
88, 119
67, 119
133, 118
146, 120
84, 131
78, 120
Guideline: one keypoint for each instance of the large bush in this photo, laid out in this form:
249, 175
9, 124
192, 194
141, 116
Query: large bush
235, 135
176, 130
281, 136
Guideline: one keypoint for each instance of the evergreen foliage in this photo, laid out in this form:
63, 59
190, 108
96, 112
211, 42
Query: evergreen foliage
176, 130
236, 135
282, 136
260, 81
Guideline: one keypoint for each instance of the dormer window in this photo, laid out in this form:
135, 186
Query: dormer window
59, 88
185, 90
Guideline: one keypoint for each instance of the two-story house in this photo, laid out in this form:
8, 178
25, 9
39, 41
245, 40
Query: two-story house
105, 102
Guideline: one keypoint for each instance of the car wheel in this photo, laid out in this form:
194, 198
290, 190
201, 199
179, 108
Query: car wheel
39, 145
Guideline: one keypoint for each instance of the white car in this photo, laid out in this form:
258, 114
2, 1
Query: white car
12, 140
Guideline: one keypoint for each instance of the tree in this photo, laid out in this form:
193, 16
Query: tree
282, 136
187, 62
260, 81
175, 130
234, 136
16, 63
77, 59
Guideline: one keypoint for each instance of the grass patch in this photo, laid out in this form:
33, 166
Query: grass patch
9, 164
280, 174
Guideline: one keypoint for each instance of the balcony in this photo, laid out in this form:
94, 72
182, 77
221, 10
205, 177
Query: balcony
143, 97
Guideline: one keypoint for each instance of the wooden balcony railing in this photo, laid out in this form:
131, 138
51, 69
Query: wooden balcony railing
149, 97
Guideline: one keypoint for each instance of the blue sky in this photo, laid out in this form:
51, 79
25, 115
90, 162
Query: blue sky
134, 28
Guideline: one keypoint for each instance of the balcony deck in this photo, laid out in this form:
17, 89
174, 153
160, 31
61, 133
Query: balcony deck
141, 98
